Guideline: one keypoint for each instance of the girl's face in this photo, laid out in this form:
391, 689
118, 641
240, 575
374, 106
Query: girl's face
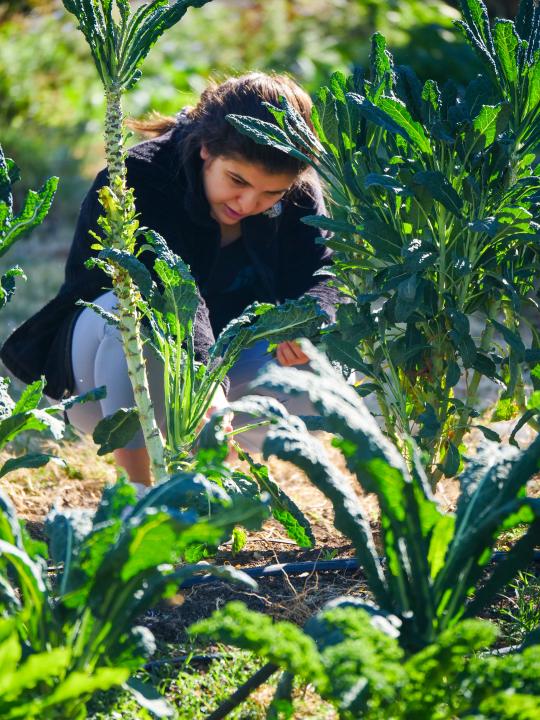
236, 188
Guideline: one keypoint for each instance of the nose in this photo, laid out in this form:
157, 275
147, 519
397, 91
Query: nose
247, 202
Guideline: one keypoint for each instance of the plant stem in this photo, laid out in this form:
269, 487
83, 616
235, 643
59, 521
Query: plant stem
485, 342
129, 325
519, 391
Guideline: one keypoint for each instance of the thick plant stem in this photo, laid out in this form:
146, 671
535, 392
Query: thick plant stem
114, 140
519, 391
121, 237
462, 426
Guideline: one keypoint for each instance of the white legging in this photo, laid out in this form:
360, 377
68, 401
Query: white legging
98, 359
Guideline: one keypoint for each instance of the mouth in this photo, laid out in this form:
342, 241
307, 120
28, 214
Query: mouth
231, 213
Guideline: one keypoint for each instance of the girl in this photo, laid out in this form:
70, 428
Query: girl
232, 210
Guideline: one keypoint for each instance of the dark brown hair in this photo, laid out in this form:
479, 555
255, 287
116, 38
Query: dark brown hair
243, 95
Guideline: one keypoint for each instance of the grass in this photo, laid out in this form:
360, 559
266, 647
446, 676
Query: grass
195, 690
521, 613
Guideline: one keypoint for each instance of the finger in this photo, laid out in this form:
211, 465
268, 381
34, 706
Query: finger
299, 354
290, 353
284, 354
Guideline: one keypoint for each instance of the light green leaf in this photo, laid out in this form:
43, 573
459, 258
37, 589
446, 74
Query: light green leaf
486, 123
79, 684
441, 536
149, 698
30, 397
506, 43
413, 129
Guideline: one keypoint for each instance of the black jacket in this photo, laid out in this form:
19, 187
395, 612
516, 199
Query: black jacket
170, 199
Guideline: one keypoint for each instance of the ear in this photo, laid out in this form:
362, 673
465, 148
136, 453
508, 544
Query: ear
204, 152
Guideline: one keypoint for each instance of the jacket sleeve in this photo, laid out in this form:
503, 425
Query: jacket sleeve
149, 201
300, 256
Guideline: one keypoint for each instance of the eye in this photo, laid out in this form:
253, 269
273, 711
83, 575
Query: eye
236, 181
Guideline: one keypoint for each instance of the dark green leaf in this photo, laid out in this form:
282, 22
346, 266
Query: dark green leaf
488, 433
451, 460
326, 223
430, 422
7, 284
527, 416
384, 238
453, 374
30, 460
485, 365
116, 430
440, 189
512, 338
137, 271
386, 182
283, 508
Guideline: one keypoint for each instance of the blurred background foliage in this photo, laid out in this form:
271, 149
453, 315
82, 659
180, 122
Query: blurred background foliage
51, 106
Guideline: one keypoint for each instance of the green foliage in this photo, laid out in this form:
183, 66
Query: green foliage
37, 685
282, 643
13, 226
113, 565
51, 107
283, 508
521, 612
435, 561
169, 308
435, 204
252, 485
25, 414
119, 47
358, 664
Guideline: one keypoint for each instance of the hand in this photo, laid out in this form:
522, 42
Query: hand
290, 353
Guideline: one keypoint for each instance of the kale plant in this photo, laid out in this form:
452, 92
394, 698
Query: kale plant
436, 197
168, 306
350, 653
19, 416
68, 634
436, 568
13, 226
119, 43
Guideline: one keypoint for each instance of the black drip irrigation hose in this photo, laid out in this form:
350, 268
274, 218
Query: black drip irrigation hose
243, 692
293, 568
298, 568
